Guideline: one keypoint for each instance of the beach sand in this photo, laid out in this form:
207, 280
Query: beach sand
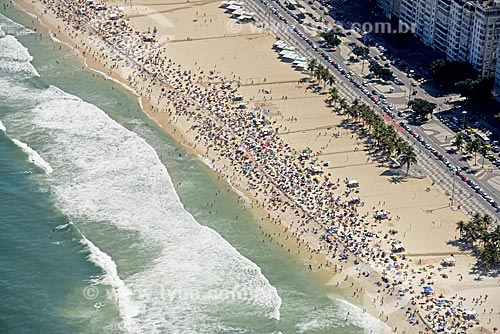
199, 36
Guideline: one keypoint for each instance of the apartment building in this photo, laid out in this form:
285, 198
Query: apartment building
390, 8
497, 75
466, 31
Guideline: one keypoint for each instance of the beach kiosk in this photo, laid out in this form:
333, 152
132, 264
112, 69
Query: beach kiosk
352, 184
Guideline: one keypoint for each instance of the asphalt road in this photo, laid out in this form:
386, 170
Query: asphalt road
428, 164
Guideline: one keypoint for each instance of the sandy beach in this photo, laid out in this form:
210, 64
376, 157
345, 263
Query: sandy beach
206, 80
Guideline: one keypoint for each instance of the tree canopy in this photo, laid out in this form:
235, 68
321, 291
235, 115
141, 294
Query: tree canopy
422, 108
380, 71
449, 73
361, 51
332, 38
479, 231
478, 90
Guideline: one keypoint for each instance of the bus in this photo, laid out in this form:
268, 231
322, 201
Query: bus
482, 137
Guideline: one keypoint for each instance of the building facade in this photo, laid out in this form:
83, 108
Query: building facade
466, 31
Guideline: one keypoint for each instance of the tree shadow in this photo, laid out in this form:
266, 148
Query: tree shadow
461, 245
398, 179
465, 158
478, 269
481, 271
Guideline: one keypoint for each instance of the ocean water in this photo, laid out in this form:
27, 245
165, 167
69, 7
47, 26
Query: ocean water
108, 226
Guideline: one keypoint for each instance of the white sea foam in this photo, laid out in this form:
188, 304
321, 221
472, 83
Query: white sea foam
130, 89
2, 127
10, 27
33, 155
339, 315
11, 49
362, 319
63, 226
15, 58
128, 310
107, 173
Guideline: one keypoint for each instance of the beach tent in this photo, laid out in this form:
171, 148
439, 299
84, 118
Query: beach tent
352, 184
245, 18
427, 289
395, 163
448, 262
238, 12
470, 314
317, 169
301, 67
279, 45
354, 200
290, 48
233, 8
288, 55
380, 214
398, 247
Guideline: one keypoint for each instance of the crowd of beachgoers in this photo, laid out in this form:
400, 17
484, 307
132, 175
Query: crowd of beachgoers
291, 181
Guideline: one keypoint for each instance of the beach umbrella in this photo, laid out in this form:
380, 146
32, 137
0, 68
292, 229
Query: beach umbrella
427, 289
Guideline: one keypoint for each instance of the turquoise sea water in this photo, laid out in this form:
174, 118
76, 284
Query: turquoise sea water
108, 226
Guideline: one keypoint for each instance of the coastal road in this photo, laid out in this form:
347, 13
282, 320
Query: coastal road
268, 13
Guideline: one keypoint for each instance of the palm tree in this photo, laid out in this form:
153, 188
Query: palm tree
461, 227
408, 157
317, 72
343, 104
401, 145
483, 150
334, 94
489, 255
311, 66
486, 220
476, 229
325, 74
330, 80
459, 141
355, 108
473, 147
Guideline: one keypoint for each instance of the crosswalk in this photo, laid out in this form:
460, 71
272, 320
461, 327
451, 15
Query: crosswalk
451, 185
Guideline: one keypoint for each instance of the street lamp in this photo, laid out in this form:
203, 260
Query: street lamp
453, 189
464, 113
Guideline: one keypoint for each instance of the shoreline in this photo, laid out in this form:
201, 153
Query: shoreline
180, 132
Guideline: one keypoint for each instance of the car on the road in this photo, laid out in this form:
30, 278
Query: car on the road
491, 157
